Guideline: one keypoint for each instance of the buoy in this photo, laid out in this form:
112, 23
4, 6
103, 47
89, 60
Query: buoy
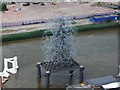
82, 85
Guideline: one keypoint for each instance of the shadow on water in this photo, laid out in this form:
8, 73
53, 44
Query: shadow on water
97, 51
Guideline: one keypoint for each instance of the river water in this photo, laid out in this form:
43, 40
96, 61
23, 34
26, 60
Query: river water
97, 51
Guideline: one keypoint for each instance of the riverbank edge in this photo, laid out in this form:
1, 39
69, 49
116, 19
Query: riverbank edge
45, 32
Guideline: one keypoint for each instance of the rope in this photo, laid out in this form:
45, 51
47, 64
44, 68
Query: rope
3, 85
75, 71
66, 74
59, 74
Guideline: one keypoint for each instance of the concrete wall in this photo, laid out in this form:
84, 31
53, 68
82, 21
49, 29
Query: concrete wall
59, 0
0, 43
43, 0
21, 0
0, 47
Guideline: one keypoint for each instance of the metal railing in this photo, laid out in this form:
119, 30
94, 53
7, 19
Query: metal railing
40, 21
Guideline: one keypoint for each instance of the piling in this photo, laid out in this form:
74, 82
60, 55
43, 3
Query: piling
38, 69
118, 76
70, 77
47, 76
81, 77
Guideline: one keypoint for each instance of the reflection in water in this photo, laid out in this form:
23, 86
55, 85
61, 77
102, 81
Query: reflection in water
96, 50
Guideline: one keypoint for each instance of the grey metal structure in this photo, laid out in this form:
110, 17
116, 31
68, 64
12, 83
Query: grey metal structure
102, 80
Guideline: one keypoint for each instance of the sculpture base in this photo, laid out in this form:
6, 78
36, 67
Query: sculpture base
55, 66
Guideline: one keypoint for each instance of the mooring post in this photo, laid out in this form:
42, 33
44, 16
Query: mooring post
81, 74
47, 79
118, 76
38, 69
70, 77
0, 84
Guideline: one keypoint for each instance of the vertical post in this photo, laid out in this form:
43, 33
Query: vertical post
0, 82
38, 69
70, 77
5, 64
81, 74
14, 71
47, 79
16, 62
118, 76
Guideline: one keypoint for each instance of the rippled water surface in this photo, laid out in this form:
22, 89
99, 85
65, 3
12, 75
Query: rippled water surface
97, 51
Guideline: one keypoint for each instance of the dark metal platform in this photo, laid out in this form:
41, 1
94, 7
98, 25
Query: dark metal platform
55, 66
